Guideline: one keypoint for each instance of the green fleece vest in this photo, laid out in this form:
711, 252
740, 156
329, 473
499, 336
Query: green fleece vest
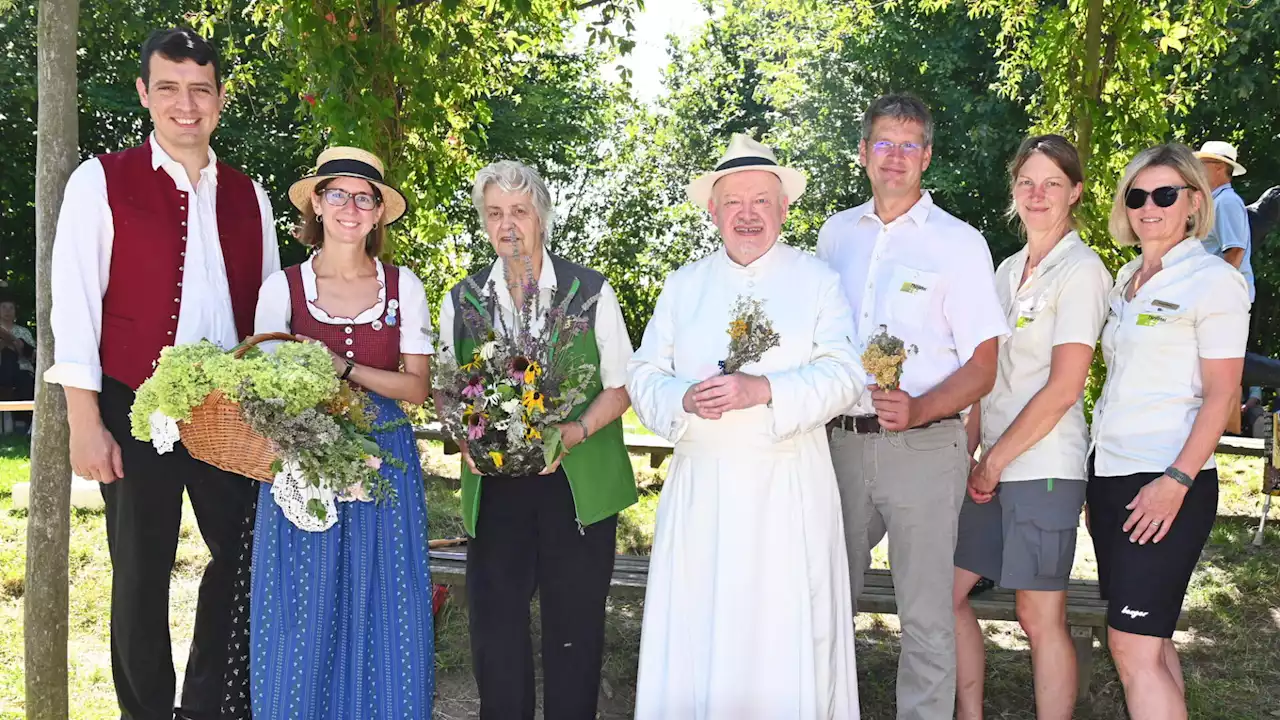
599, 469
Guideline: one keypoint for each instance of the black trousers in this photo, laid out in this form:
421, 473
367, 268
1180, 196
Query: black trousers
527, 539
144, 510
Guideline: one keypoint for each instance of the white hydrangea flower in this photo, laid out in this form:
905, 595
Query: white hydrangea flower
511, 407
164, 432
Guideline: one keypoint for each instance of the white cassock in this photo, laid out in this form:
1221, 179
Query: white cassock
747, 613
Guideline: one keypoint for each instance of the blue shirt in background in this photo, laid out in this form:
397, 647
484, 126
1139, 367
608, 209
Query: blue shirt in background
1230, 230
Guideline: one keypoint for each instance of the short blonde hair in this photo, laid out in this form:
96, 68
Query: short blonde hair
1181, 159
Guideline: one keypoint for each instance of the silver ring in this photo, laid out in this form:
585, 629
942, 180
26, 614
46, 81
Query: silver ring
1155, 523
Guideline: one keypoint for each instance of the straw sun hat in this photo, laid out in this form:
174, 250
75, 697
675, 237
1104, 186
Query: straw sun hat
354, 163
1222, 152
746, 154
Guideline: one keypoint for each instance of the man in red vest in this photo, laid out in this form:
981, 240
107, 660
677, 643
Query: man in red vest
160, 245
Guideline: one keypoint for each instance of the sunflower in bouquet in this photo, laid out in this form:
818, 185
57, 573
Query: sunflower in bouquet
507, 398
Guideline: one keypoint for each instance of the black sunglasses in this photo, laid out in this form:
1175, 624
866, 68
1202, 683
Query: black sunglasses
1164, 196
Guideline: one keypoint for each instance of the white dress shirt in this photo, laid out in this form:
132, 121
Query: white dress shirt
612, 341
926, 276
82, 268
275, 309
1196, 307
1064, 301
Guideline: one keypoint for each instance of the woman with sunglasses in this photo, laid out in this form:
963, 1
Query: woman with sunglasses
1174, 347
341, 621
1018, 523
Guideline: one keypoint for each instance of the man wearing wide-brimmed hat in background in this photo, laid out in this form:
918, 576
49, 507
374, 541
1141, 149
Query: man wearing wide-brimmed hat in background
158, 245
748, 613
1229, 239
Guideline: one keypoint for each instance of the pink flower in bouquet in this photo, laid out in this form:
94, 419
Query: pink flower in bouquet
474, 388
517, 368
374, 462
475, 426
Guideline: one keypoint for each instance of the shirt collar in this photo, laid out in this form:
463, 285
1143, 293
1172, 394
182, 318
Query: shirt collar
1221, 188
761, 263
1188, 249
160, 158
919, 213
1059, 251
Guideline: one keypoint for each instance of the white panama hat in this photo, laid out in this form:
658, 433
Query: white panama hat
745, 154
1222, 152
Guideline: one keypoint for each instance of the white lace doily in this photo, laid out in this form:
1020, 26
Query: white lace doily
293, 494
164, 432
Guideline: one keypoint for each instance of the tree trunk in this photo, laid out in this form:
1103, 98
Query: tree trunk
1087, 103
49, 517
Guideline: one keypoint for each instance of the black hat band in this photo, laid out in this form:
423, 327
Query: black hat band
350, 167
744, 162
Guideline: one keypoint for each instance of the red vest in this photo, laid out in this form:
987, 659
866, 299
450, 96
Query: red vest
374, 344
144, 288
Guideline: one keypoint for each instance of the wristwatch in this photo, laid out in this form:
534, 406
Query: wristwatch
347, 373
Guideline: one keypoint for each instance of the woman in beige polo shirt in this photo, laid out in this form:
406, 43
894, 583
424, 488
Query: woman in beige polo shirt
1018, 523
1174, 346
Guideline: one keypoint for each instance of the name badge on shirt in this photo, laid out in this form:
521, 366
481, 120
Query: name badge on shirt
1164, 305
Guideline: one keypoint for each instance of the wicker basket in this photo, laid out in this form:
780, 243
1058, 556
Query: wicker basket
218, 435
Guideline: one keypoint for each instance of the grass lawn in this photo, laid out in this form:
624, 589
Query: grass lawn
1230, 657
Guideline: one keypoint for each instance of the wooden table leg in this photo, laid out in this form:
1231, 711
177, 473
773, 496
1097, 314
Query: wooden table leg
1082, 639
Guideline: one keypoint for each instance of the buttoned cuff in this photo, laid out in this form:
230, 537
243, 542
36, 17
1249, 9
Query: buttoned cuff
72, 375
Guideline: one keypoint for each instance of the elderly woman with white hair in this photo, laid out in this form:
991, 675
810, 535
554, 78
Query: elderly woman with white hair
553, 532
1174, 346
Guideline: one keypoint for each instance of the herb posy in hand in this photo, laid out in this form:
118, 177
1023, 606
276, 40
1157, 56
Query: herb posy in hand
751, 335
884, 357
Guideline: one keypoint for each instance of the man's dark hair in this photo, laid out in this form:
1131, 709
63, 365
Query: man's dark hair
176, 45
899, 106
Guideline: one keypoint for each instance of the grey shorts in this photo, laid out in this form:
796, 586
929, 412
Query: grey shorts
1025, 538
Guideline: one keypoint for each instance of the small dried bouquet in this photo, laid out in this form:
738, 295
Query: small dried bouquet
884, 357
751, 335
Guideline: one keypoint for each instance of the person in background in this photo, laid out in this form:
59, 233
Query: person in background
1174, 348
1018, 523
900, 455
17, 358
158, 245
553, 533
1229, 237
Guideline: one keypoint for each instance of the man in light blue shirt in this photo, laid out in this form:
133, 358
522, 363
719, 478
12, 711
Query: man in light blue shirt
1229, 238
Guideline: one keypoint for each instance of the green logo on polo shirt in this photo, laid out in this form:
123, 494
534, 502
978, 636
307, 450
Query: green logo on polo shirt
910, 287
1149, 320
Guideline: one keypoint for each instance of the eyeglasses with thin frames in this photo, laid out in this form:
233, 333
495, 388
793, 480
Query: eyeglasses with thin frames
337, 197
1163, 196
884, 147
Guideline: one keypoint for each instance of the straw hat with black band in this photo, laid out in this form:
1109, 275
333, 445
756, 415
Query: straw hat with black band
353, 163
1222, 152
746, 154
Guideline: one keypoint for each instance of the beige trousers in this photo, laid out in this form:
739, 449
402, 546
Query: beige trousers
910, 485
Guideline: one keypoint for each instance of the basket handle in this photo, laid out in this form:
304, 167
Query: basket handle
253, 340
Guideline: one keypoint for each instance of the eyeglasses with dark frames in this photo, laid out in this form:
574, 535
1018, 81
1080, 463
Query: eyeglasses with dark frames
337, 197
1163, 196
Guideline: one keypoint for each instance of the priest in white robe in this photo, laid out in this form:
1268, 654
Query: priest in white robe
748, 613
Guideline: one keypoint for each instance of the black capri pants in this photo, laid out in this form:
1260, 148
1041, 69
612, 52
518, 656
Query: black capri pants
1144, 585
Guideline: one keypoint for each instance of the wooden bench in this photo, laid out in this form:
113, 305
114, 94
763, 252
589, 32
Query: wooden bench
1086, 612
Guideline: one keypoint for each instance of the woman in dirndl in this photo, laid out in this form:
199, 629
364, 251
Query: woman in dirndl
341, 624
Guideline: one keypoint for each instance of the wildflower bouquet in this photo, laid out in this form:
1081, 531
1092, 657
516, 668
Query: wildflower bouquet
751, 335
506, 400
884, 357
318, 425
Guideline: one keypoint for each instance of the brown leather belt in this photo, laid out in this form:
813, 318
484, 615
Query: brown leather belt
868, 424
